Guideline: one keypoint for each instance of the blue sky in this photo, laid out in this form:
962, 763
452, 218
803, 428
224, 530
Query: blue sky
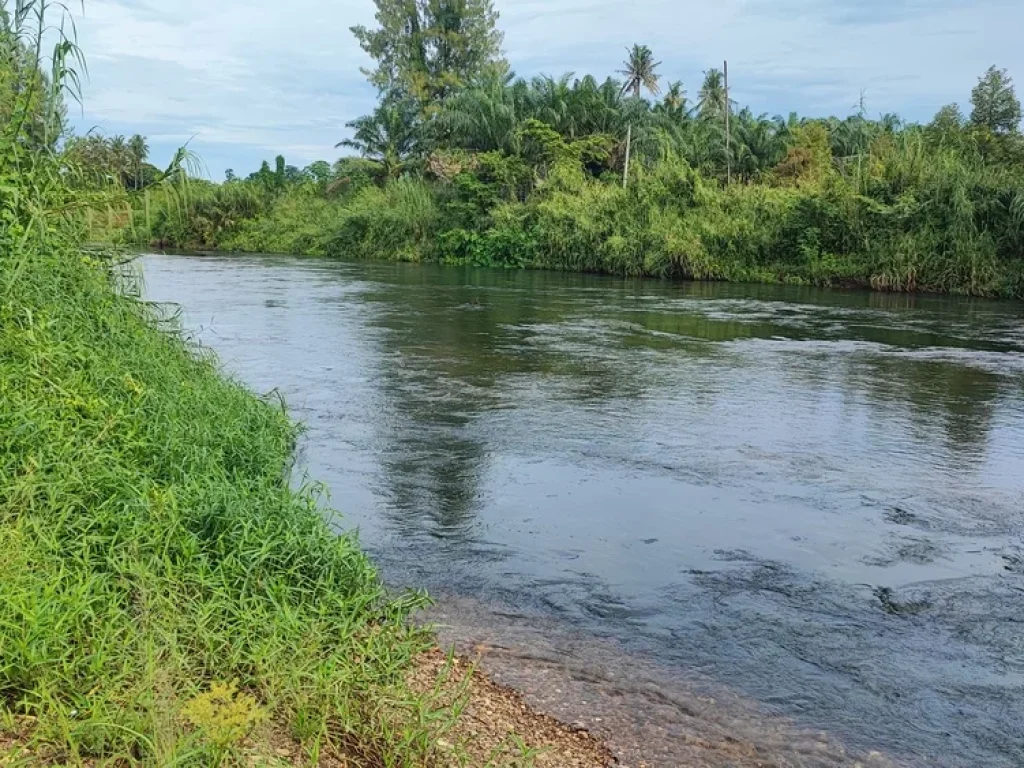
244, 80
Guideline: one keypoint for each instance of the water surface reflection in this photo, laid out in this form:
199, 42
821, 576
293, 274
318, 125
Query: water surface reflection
814, 497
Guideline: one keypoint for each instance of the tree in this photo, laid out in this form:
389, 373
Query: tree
280, 171
264, 177
948, 117
758, 145
319, 171
487, 116
715, 107
429, 49
995, 103
852, 138
674, 105
120, 158
388, 137
947, 127
640, 72
712, 95
809, 159
138, 151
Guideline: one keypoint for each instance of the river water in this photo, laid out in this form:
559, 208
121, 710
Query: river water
792, 504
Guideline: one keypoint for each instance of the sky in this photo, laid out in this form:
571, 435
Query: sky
245, 80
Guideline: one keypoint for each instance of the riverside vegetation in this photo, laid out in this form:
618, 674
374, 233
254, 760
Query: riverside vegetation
463, 163
166, 598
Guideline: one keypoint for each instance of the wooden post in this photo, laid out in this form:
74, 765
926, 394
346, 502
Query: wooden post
728, 135
629, 146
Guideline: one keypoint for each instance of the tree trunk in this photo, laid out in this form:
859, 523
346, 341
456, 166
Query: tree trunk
629, 147
728, 132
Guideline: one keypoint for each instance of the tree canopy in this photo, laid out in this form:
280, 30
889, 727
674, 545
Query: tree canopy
995, 103
640, 71
427, 50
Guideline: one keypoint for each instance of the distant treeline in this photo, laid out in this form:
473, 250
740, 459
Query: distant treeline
463, 163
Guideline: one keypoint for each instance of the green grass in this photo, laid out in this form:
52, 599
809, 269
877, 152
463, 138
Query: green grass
150, 545
167, 597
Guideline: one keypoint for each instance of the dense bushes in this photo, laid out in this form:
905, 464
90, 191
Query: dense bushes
909, 214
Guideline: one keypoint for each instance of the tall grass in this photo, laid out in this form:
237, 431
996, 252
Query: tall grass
153, 558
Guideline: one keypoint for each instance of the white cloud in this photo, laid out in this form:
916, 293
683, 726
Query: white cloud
251, 78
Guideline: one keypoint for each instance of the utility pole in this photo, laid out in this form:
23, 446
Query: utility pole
728, 134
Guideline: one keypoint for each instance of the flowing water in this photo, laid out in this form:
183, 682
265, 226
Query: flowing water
802, 503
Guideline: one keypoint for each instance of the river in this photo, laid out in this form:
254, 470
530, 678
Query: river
810, 500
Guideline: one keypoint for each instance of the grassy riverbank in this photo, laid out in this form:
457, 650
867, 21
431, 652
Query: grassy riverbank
150, 548
166, 597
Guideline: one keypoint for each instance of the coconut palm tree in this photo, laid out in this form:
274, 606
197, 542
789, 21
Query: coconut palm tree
120, 159
640, 72
712, 95
675, 101
139, 151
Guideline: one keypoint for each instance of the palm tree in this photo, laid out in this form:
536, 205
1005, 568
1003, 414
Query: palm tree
550, 100
675, 100
484, 118
119, 160
712, 94
714, 106
388, 137
139, 150
758, 146
640, 72
490, 115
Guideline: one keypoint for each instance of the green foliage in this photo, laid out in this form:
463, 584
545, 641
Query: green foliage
426, 50
908, 211
996, 106
388, 138
641, 71
144, 501
527, 173
32, 100
223, 716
